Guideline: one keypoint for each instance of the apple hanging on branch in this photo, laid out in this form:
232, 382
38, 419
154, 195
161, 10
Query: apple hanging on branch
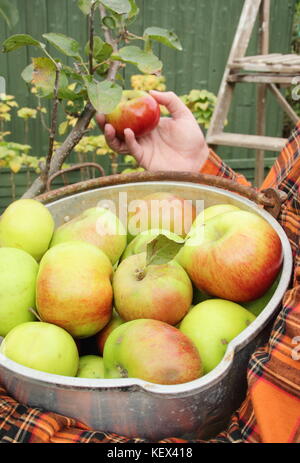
91, 82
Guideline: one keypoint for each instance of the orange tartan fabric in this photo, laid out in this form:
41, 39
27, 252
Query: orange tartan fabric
271, 411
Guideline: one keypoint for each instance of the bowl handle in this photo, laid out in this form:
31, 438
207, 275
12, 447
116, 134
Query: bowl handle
271, 199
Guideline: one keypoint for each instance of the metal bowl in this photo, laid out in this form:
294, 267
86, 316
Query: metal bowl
133, 407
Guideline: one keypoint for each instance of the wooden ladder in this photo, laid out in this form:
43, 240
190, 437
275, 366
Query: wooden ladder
269, 71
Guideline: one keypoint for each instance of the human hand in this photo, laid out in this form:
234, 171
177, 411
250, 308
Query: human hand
176, 144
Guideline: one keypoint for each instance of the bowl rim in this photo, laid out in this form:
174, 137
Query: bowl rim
240, 341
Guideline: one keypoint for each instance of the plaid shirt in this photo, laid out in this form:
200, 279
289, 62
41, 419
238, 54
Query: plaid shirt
271, 410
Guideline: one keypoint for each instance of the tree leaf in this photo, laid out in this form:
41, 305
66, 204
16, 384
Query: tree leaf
9, 12
64, 44
101, 51
27, 73
162, 250
118, 6
146, 62
85, 6
134, 9
19, 40
164, 36
109, 22
15, 165
104, 96
44, 72
63, 128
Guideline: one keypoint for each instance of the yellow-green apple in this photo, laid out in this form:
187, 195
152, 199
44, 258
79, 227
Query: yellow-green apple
137, 111
74, 288
98, 226
139, 243
18, 272
162, 292
27, 224
153, 351
162, 211
90, 366
102, 336
235, 256
42, 346
211, 325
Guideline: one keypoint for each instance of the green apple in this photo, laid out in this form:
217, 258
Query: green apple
162, 292
102, 336
153, 351
27, 224
258, 305
236, 256
211, 325
90, 366
139, 243
98, 226
18, 272
74, 288
162, 211
42, 346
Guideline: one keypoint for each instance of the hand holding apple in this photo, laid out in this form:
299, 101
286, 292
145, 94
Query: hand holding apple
137, 111
176, 144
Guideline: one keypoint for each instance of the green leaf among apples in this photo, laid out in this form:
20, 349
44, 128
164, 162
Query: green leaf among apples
162, 250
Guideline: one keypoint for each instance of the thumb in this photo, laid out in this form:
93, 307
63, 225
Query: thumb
172, 102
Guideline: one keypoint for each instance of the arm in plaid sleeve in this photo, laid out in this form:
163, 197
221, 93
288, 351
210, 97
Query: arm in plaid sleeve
215, 166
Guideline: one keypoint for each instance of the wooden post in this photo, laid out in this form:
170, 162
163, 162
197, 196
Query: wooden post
238, 50
262, 90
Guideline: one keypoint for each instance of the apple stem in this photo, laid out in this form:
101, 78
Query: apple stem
35, 314
140, 274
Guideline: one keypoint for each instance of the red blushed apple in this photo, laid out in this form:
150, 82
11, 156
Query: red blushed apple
161, 292
153, 351
74, 288
137, 111
235, 256
102, 336
162, 211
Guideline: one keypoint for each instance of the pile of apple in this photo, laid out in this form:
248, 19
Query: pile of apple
89, 299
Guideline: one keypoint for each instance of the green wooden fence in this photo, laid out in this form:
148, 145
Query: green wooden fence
206, 29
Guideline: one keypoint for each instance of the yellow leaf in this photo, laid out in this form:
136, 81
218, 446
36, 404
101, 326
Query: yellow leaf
15, 166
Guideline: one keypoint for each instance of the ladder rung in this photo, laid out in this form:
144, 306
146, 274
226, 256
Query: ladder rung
262, 78
247, 141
